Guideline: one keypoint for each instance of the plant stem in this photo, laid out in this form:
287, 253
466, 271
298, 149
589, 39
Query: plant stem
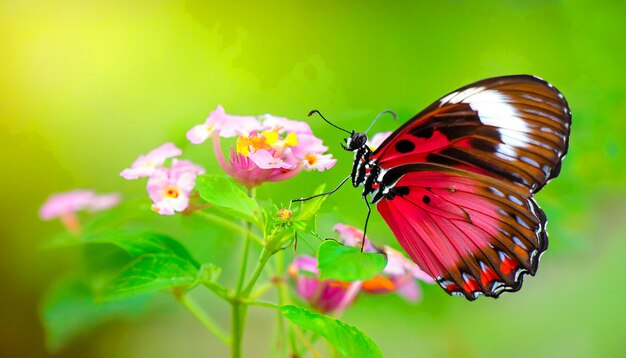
228, 225
257, 271
239, 308
204, 318
237, 328
283, 299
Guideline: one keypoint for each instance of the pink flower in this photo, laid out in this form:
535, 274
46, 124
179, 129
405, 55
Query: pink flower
285, 125
402, 273
147, 164
399, 275
378, 139
267, 149
265, 160
72, 201
170, 188
352, 236
320, 162
225, 125
65, 205
325, 296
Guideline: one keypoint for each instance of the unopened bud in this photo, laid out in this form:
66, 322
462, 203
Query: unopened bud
284, 215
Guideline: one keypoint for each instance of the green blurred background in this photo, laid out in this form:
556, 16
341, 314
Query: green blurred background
87, 86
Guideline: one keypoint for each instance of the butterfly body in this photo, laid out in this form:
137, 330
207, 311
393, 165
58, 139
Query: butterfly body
455, 183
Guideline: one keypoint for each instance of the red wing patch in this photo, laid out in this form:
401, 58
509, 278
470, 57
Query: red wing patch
474, 234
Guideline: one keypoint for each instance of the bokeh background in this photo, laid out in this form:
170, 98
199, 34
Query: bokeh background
86, 86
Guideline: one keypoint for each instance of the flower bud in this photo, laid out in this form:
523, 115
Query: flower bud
284, 215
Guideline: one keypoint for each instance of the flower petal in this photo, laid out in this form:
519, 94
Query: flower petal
199, 133
283, 124
145, 165
265, 160
378, 139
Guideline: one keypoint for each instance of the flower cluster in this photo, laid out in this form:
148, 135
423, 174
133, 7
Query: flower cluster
326, 296
267, 149
169, 188
65, 205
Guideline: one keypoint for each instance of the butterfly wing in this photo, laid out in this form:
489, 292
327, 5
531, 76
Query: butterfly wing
513, 127
474, 234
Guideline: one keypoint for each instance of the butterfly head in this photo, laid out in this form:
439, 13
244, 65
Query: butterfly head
357, 140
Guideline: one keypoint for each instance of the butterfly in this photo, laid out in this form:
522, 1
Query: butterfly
456, 182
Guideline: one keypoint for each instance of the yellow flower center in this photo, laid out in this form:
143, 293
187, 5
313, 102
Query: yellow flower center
266, 140
311, 159
244, 144
291, 140
171, 192
270, 137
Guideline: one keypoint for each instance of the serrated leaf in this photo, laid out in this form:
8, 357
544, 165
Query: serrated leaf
69, 310
348, 340
347, 263
228, 196
150, 273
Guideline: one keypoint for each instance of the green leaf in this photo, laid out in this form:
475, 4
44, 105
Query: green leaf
347, 263
348, 340
209, 273
228, 196
309, 208
149, 273
69, 310
135, 243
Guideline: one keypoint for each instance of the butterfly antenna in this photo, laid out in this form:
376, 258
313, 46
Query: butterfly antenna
395, 117
327, 121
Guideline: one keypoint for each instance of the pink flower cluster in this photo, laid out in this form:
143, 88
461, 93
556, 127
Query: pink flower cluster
326, 296
65, 205
268, 148
169, 188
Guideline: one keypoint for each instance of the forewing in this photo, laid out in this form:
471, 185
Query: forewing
511, 127
472, 233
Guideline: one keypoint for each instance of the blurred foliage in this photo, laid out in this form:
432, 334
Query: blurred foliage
87, 86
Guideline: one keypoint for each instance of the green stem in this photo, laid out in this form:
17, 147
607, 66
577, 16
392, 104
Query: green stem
263, 304
207, 321
283, 299
257, 272
239, 308
244, 260
228, 225
237, 328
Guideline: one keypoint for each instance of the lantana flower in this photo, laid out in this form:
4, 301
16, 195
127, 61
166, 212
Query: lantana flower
147, 164
222, 124
267, 148
169, 188
65, 205
399, 275
326, 296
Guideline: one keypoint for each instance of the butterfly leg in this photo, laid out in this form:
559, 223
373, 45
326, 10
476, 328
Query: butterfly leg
367, 219
322, 194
